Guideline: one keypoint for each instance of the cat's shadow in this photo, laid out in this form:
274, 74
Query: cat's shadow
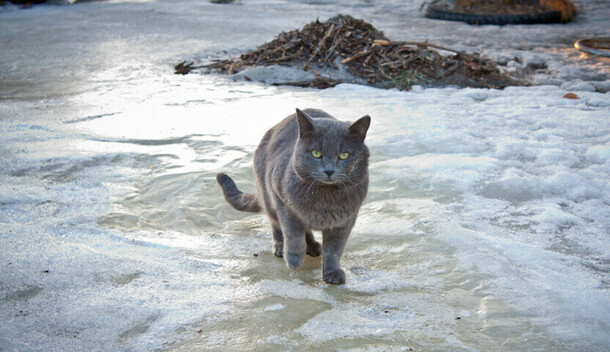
269, 267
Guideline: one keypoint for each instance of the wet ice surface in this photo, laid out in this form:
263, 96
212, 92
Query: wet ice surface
486, 225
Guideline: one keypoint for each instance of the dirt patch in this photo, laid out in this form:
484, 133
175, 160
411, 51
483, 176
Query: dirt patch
345, 43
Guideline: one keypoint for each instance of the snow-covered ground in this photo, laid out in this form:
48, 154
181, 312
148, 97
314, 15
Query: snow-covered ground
486, 227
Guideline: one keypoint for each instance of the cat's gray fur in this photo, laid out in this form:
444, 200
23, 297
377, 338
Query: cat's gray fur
301, 193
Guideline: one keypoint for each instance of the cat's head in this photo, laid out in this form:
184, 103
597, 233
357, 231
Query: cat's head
330, 151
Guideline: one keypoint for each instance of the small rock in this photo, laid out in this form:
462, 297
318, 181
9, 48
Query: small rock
571, 96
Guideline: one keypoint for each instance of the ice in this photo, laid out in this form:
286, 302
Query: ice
274, 74
485, 227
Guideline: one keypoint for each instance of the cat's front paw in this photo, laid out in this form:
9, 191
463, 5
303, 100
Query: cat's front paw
335, 277
294, 260
314, 249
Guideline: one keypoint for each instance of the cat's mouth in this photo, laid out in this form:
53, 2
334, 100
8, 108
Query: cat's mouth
329, 180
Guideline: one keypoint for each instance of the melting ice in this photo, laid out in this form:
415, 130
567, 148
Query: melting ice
486, 225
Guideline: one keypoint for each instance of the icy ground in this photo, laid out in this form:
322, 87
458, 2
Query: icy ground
486, 227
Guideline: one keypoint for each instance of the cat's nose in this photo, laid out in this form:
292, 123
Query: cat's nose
329, 172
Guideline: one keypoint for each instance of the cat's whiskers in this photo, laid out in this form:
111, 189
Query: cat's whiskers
359, 187
304, 185
310, 186
346, 190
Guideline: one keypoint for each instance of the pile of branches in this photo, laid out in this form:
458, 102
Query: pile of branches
368, 54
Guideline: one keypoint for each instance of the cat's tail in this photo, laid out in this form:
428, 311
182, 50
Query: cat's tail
239, 200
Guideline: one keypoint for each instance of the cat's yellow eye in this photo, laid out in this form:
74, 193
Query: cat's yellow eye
343, 156
316, 154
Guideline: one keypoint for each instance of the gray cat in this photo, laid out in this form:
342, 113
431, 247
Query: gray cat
312, 174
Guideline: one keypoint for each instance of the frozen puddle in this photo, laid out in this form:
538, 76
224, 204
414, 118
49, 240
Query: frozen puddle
481, 238
485, 228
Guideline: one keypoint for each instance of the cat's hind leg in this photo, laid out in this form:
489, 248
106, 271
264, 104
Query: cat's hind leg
314, 248
278, 240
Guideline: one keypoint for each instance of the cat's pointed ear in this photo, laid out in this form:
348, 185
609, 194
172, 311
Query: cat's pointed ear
359, 128
305, 124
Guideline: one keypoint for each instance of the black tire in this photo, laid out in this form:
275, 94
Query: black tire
448, 15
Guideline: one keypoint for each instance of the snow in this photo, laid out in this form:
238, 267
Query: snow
485, 228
